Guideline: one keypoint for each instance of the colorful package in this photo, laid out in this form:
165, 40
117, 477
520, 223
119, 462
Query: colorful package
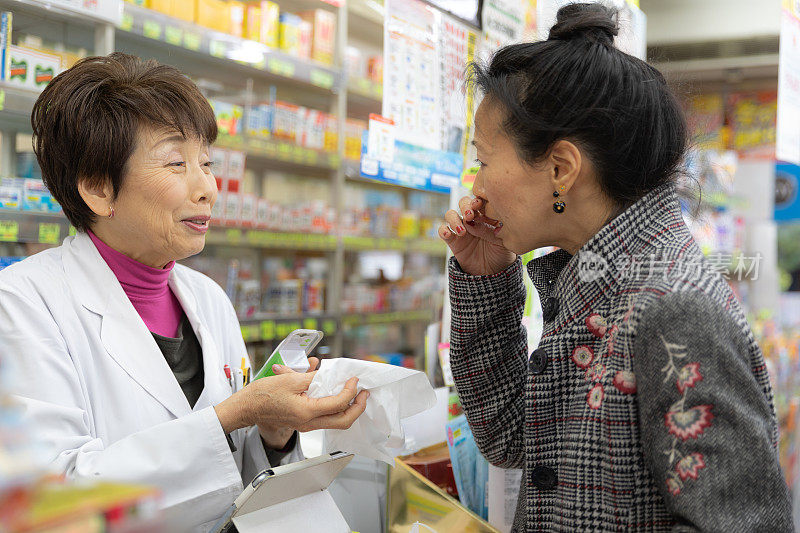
290, 33
323, 36
228, 117
286, 120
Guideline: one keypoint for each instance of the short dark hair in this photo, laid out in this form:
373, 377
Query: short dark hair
578, 86
86, 121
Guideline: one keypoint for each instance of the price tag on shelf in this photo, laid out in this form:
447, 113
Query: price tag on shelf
298, 153
311, 157
72, 231
151, 29
233, 236
173, 35
293, 326
126, 24
268, 330
283, 330
285, 151
191, 41
2, 99
281, 67
9, 230
329, 327
310, 323
217, 48
49, 232
321, 78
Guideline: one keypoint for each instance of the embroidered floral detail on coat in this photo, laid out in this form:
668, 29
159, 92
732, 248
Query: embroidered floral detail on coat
688, 376
683, 423
689, 423
582, 356
597, 325
625, 382
595, 397
596, 372
690, 465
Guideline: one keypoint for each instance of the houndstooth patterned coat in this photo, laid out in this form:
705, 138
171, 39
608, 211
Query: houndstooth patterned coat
646, 406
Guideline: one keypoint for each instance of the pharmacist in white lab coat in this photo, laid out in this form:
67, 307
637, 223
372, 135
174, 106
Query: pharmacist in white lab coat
118, 354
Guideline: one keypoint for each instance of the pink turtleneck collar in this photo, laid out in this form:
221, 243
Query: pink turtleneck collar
147, 288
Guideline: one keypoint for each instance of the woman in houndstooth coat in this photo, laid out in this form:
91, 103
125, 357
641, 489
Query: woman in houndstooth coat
647, 405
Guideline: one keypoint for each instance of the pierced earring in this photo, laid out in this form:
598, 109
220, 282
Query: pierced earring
111, 213
559, 206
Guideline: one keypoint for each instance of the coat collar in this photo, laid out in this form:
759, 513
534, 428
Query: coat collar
598, 266
123, 332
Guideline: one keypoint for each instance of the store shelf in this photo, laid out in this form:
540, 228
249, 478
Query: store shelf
31, 227
426, 246
16, 104
62, 11
263, 328
254, 238
283, 152
390, 317
223, 50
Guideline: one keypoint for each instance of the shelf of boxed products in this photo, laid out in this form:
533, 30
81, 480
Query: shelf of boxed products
269, 327
197, 38
256, 238
83, 13
16, 104
32, 226
280, 151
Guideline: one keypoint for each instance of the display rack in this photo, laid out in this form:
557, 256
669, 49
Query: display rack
206, 54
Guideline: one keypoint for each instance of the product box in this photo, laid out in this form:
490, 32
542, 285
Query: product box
331, 142
237, 11
259, 121
233, 209
218, 209
290, 33
228, 117
6, 23
285, 121
36, 197
353, 130
11, 192
304, 46
313, 130
29, 68
252, 21
248, 213
375, 69
236, 166
270, 24
323, 37
262, 213
213, 14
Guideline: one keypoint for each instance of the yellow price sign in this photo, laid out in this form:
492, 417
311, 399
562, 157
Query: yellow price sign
310, 323
216, 48
49, 232
191, 41
151, 29
126, 24
268, 330
320, 78
173, 35
9, 230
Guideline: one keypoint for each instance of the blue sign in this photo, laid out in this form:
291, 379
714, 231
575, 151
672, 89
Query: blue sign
787, 199
414, 167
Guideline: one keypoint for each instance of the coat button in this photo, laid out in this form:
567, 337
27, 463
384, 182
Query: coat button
544, 477
538, 361
550, 309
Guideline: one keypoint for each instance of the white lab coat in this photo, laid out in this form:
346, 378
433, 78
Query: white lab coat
100, 393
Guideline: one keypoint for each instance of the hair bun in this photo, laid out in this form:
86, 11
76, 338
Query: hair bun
593, 22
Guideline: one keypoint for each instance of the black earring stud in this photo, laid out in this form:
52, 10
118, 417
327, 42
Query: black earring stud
559, 206
556, 194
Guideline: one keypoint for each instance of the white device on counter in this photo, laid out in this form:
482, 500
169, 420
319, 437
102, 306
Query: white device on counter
293, 351
291, 497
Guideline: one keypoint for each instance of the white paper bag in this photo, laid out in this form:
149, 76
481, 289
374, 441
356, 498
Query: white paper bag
394, 393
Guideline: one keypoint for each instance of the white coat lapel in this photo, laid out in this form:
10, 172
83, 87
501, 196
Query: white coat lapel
215, 387
123, 332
